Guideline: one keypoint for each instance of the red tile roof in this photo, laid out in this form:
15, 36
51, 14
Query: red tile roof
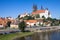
31, 21
40, 20
38, 11
4, 21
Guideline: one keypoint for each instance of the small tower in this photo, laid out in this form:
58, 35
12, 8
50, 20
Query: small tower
42, 7
46, 8
34, 7
47, 11
49, 15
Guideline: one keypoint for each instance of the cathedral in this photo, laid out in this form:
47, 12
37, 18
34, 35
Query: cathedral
38, 14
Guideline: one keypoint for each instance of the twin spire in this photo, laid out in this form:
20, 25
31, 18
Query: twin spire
35, 7
42, 7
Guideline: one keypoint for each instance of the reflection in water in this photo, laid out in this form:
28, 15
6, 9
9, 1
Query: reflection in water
28, 38
43, 36
35, 37
22, 38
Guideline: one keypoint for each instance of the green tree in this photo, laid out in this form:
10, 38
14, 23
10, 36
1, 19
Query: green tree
44, 19
49, 19
18, 17
28, 18
22, 26
55, 22
37, 16
8, 23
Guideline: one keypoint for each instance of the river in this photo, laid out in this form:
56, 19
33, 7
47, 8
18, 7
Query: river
42, 36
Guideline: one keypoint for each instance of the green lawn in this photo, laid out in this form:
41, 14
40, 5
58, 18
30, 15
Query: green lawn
14, 35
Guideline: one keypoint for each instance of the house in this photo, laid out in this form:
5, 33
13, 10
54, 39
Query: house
47, 24
3, 22
38, 14
15, 26
31, 23
40, 22
14, 23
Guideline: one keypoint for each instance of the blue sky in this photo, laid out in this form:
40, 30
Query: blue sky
15, 7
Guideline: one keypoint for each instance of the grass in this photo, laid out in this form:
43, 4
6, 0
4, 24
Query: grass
14, 35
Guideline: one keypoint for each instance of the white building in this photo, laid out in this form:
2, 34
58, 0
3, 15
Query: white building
31, 23
42, 13
14, 24
23, 15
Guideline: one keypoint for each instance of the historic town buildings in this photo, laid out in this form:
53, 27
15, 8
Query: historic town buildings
38, 16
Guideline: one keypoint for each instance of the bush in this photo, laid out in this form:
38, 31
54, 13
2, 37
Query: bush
22, 26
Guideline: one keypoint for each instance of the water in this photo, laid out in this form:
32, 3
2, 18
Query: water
43, 36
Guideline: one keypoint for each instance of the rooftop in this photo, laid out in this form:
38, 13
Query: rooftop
31, 21
38, 11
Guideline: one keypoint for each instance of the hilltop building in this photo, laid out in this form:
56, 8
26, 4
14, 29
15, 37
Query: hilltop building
23, 15
38, 14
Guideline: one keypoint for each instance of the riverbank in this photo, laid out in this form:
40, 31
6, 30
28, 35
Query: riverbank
14, 35
44, 29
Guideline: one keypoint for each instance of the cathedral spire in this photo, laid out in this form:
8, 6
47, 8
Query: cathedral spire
46, 8
42, 7
34, 7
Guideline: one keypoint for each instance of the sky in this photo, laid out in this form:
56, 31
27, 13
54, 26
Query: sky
15, 7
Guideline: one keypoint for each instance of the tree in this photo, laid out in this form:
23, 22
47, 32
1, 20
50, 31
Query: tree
37, 16
22, 26
28, 18
44, 19
8, 23
25, 18
18, 17
55, 22
49, 19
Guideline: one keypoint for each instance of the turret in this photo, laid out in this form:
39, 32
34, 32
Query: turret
46, 10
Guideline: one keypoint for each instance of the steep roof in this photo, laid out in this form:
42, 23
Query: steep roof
38, 11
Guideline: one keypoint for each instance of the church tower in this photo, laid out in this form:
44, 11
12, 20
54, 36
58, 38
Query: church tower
42, 7
34, 7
